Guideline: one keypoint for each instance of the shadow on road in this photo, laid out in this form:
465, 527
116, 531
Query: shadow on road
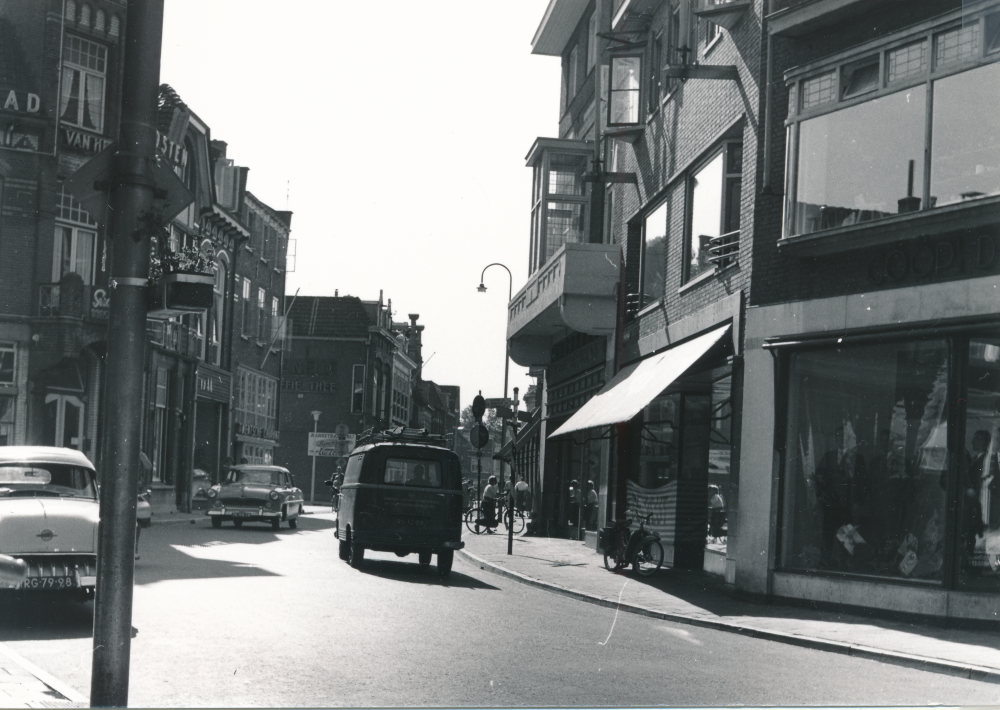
413, 573
44, 616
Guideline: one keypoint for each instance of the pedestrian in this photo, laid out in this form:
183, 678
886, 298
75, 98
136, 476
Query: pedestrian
489, 504
522, 494
717, 513
574, 502
590, 510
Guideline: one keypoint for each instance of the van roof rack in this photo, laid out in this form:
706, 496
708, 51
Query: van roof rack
401, 434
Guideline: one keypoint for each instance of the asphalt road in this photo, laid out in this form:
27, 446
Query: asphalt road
253, 617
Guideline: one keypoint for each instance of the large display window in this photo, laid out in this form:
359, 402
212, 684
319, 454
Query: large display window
891, 460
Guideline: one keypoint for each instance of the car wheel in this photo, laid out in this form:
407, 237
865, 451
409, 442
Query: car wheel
445, 559
293, 523
344, 551
216, 521
425, 559
355, 555
238, 523
275, 523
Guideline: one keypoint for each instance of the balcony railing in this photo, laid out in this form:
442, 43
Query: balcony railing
724, 249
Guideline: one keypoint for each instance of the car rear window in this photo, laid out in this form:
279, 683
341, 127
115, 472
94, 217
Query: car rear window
412, 472
42, 479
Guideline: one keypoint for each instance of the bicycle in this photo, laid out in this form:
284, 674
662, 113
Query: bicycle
641, 549
474, 516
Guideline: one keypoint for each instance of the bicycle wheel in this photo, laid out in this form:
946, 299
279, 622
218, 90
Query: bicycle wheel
649, 559
518, 522
610, 560
472, 521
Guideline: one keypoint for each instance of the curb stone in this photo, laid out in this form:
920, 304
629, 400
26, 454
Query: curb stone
923, 663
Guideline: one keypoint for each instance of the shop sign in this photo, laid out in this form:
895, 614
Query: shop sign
257, 432
326, 386
213, 385
174, 152
927, 259
100, 304
321, 444
20, 102
86, 142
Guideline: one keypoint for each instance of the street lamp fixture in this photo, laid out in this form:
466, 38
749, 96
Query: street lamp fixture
506, 358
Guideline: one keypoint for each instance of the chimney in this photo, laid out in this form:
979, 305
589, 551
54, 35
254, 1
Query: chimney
413, 345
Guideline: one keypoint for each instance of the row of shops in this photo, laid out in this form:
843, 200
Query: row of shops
759, 274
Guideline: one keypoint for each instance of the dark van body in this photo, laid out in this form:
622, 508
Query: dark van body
403, 496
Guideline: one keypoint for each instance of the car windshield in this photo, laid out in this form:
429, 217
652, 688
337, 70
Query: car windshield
265, 478
46, 480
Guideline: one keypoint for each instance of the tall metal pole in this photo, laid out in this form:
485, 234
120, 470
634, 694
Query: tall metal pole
506, 356
132, 218
312, 485
510, 495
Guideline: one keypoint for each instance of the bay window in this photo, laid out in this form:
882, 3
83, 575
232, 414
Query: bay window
559, 197
625, 102
895, 129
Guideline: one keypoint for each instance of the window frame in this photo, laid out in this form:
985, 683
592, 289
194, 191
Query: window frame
729, 178
358, 405
640, 113
245, 318
840, 64
85, 71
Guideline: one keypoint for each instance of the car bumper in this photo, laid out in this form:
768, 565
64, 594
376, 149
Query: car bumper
243, 513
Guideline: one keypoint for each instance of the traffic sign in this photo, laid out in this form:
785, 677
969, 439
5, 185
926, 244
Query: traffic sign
478, 407
479, 435
497, 402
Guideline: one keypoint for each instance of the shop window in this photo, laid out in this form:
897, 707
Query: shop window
8, 362
653, 259
852, 160
358, 389
866, 473
714, 201
83, 75
7, 403
63, 421
979, 491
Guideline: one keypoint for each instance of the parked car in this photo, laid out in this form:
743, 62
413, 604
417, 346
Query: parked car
259, 493
49, 513
402, 493
201, 483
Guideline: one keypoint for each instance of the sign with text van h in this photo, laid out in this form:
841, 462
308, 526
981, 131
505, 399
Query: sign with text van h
321, 444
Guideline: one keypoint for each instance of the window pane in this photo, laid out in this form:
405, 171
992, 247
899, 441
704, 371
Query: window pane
908, 60
819, 90
855, 165
85, 255
965, 151
626, 73
7, 366
867, 460
6, 420
566, 174
706, 215
979, 514
93, 98
564, 226
70, 99
65, 251
957, 44
654, 255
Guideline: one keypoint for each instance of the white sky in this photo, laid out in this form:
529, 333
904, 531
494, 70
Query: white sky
396, 132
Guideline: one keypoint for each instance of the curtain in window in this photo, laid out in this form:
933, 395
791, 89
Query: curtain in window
92, 100
70, 95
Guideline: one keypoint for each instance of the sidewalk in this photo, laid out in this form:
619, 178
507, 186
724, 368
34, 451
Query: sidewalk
25, 685
570, 568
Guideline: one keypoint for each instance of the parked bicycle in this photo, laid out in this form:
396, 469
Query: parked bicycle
477, 525
639, 548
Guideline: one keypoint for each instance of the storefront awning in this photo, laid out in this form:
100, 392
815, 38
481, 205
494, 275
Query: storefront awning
636, 385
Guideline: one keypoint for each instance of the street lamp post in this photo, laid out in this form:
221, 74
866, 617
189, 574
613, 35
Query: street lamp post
506, 358
312, 485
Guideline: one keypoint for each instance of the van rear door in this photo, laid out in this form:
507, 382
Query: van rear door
417, 502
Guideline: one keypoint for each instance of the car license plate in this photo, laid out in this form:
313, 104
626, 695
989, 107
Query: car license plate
48, 583
241, 514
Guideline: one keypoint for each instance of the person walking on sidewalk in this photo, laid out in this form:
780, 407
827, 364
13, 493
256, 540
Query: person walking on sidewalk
717, 513
489, 506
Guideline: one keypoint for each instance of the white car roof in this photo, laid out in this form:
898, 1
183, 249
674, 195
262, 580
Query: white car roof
44, 454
